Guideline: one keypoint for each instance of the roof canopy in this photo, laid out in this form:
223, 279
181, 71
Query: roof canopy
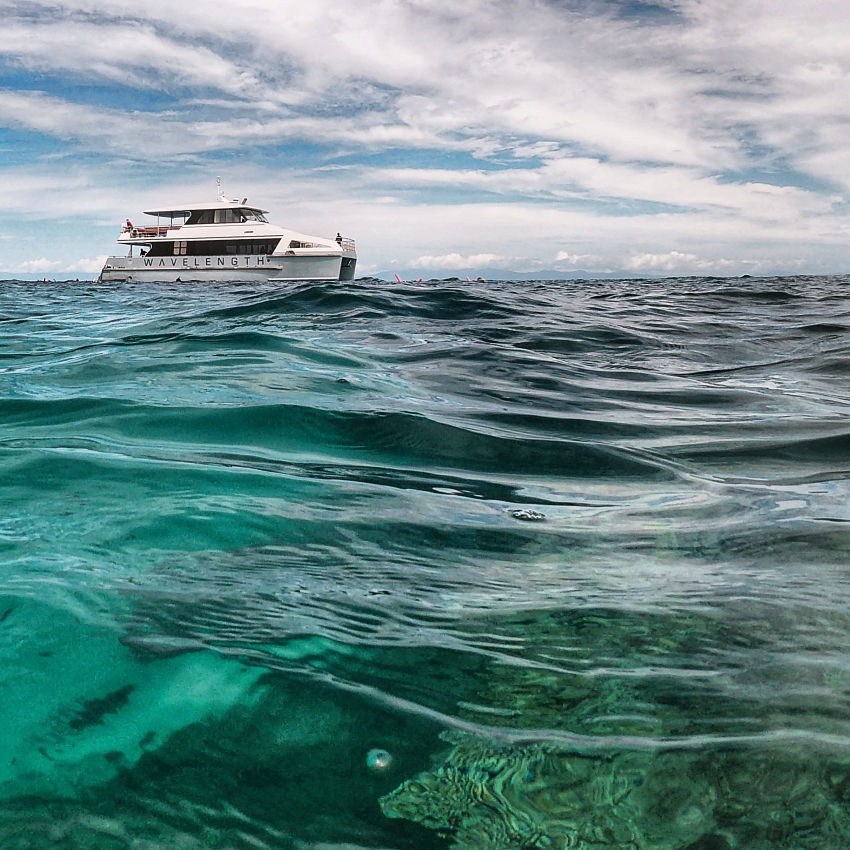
185, 209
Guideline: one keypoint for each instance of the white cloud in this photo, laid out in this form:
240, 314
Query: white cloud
584, 178
87, 266
719, 131
534, 76
565, 257
677, 261
160, 136
42, 264
455, 260
133, 55
604, 92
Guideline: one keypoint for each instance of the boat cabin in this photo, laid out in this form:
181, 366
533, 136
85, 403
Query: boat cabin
239, 215
216, 212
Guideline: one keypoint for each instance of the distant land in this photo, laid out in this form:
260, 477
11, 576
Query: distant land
69, 277
503, 274
538, 274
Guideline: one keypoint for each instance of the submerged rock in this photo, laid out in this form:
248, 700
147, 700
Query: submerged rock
496, 796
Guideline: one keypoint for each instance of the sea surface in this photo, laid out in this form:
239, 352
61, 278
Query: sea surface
482, 566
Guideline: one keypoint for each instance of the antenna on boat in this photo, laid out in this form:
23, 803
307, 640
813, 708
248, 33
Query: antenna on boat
220, 193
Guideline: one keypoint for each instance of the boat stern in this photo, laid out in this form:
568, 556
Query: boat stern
114, 269
349, 258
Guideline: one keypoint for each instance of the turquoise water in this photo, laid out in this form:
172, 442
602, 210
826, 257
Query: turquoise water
572, 556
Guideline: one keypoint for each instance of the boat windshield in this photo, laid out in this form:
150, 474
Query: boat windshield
225, 216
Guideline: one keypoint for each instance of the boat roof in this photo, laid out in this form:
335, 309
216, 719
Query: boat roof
182, 209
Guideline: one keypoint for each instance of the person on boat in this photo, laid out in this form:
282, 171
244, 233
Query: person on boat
128, 226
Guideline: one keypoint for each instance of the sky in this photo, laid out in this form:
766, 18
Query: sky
673, 137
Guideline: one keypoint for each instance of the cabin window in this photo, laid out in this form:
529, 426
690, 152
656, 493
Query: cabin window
228, 216
200, 217
213, 247
252, 215
245, 246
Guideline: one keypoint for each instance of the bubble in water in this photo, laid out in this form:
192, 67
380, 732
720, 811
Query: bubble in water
378, 760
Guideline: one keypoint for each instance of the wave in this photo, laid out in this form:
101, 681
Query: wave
573, 555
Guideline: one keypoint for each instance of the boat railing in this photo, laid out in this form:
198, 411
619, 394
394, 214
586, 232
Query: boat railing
345, 243
152, 232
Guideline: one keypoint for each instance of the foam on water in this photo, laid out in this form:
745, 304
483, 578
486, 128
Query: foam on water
499, 565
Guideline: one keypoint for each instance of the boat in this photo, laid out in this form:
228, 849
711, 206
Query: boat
225, 240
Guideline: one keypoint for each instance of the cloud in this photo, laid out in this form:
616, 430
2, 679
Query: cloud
132, 55
523, 131
674, 94
151, 136
42, 265
402, 65
584, 178
677, 261
87, 266
37, 266
455, 260
565, 257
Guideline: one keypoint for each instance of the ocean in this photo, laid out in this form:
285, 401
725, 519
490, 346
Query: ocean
493, 565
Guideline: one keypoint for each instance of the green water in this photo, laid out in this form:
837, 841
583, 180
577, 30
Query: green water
574, 555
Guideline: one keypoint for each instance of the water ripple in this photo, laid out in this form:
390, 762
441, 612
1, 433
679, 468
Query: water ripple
548, 544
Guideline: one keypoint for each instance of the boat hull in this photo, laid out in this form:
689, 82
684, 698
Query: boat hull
202, 269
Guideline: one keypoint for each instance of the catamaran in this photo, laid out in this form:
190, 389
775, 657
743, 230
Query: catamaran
225, 240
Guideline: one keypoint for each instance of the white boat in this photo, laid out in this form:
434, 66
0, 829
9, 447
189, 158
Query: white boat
225, 240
